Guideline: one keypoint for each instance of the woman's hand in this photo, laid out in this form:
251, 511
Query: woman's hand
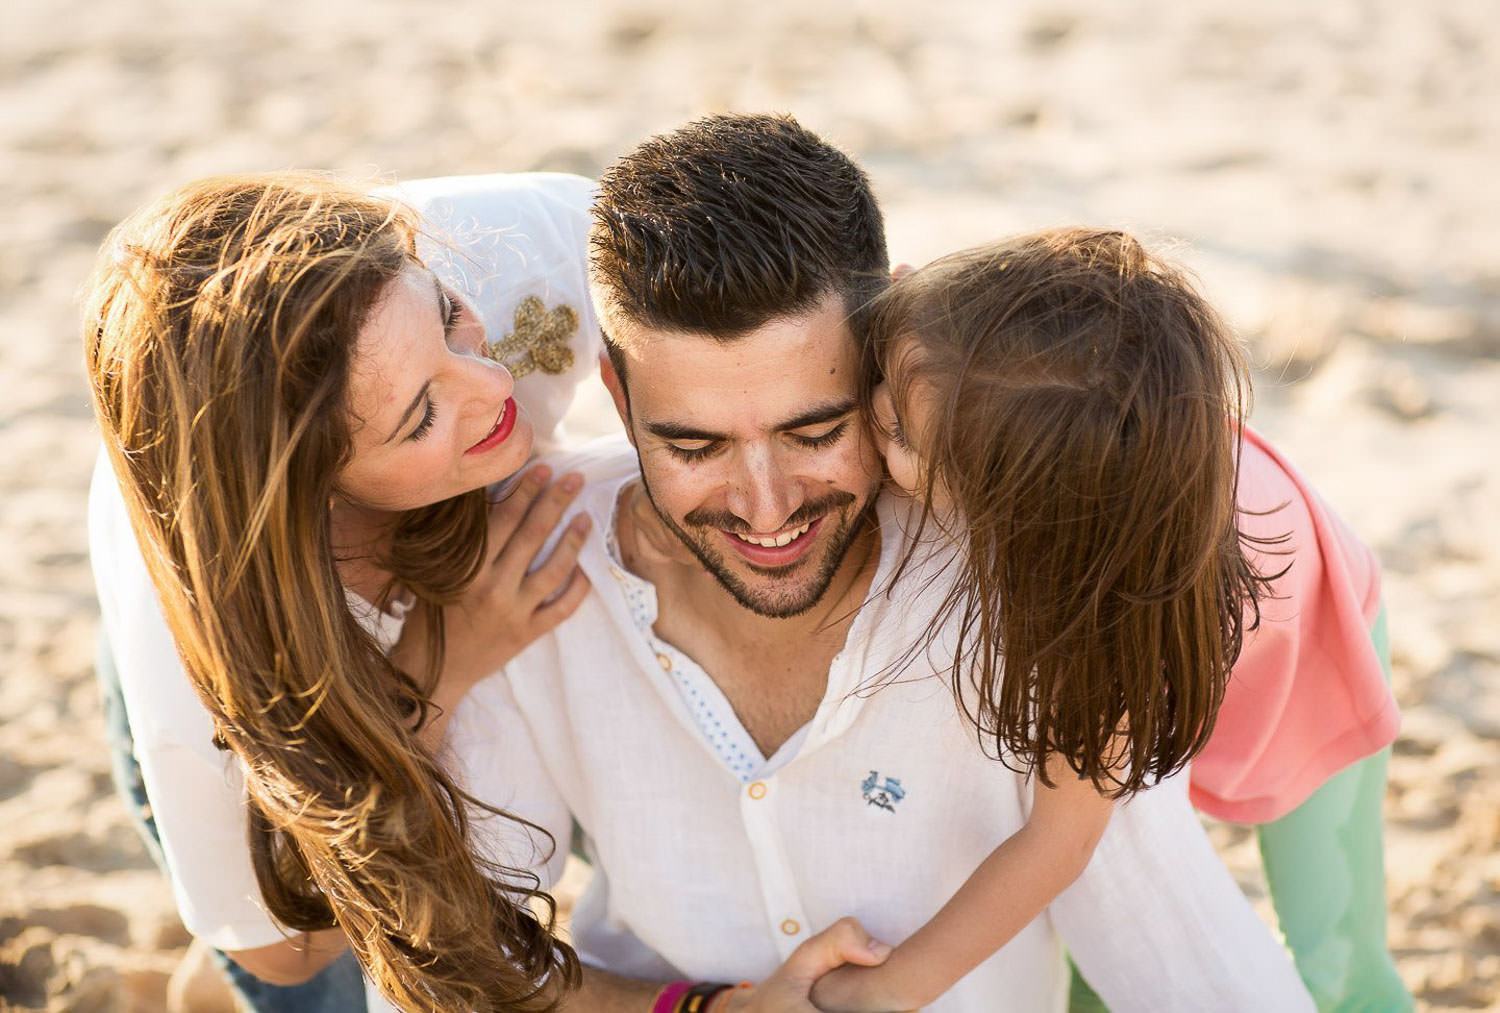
789, 989
511, 602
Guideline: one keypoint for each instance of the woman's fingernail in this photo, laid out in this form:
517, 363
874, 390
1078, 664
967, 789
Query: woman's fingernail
571, 482
539, 474
878, 949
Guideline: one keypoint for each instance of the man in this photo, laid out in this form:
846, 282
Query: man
733, 717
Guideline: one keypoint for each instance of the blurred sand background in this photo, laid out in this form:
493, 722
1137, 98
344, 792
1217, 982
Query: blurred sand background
1329, 169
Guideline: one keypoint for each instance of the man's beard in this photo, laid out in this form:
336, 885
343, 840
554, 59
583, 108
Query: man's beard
777, 602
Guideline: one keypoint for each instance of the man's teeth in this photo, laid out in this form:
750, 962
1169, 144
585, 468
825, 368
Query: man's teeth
776, 541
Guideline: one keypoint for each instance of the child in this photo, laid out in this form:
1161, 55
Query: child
1069, 410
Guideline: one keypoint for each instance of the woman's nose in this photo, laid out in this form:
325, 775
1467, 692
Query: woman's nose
486, 382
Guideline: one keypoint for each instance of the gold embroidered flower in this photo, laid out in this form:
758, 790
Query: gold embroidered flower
539, 340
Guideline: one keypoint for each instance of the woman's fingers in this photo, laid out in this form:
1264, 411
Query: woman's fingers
543, 509
563, 605
506, 514
548, 579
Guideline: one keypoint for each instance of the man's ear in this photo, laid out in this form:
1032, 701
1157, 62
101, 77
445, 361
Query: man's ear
616, 392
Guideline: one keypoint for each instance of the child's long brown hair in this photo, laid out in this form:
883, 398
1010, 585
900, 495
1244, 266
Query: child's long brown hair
220, 326
1086, 404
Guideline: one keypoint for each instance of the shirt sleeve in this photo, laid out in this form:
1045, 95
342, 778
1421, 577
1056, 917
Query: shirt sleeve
1156, 923
196, 793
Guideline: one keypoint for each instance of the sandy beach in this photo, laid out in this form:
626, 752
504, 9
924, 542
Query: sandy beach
1329, 170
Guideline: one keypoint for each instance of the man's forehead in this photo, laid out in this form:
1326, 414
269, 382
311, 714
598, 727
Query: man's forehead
697, 373
822, 331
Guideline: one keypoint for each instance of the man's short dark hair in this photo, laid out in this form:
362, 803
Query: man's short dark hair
730, 222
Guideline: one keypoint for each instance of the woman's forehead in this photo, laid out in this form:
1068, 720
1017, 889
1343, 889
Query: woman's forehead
392, 344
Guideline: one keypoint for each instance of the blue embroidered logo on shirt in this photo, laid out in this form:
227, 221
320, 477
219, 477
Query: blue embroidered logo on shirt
884, 796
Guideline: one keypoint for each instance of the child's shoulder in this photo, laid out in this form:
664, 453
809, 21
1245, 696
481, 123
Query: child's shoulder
1269, 483
1278, 505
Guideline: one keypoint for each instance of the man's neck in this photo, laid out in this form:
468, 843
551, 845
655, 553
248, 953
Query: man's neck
772, 671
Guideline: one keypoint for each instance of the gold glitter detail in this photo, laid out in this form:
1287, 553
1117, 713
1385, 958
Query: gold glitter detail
539, 341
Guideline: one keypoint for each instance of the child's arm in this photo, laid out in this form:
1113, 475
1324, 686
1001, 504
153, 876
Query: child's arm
1010, 888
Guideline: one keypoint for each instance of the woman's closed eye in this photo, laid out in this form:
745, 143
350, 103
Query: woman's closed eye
429, 414
453, 312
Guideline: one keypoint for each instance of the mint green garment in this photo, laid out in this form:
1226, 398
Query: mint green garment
1325, 867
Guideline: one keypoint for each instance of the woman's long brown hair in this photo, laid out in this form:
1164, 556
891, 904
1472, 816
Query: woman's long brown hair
220, 326
1086, 404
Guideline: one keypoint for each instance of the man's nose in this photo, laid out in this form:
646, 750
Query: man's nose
763, 493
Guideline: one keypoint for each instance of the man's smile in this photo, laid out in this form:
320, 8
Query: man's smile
776, 541
776, 549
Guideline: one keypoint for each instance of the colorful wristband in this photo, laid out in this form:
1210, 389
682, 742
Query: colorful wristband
697, 998
667, 999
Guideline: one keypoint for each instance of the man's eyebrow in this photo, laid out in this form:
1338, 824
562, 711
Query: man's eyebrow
679, 431
825, 412
406, 415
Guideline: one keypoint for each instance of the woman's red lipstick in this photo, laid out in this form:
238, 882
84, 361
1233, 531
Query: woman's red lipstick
503, 426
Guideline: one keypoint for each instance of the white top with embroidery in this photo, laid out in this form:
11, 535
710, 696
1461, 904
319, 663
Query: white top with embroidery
504, 240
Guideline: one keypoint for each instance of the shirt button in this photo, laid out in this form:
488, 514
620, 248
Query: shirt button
665, 662
790, 927
757, 790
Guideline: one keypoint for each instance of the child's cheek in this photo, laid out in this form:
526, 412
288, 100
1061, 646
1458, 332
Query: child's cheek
903, 467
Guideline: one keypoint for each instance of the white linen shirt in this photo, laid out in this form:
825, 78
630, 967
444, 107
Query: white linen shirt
881, 810
500, 239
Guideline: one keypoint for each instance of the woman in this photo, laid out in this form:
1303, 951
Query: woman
302, 424
302, 420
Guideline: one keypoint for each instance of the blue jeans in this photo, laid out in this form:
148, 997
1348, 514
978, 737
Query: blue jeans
338, 988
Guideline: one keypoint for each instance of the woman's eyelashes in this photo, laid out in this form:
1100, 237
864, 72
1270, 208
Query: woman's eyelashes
453, 312
423, 426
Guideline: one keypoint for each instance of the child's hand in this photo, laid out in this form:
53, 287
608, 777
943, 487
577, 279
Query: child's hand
507, 607
852, 989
